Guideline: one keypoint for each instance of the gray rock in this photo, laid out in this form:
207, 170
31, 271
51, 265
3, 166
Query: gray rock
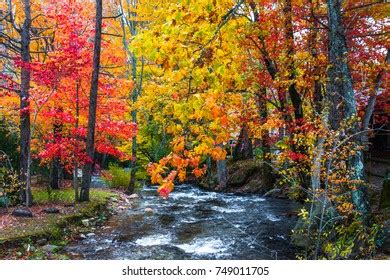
51, 210
90, 234
134, 195
42, 241
85, 222
149, 210
50, 248
22, 213
82, 236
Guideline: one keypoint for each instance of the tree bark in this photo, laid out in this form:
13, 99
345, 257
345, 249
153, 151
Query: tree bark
342, 96
25, 128
289, 37
372, 99
243, 150
90, 143
56, 165
265, 139
131, 24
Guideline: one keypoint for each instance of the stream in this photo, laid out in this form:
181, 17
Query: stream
194, 224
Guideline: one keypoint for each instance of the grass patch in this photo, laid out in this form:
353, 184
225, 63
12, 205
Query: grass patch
53, 227
66, 196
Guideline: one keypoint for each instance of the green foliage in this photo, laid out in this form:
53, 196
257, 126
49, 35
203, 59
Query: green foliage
352, 241
10, 184
343, 237
9, 143
116, 177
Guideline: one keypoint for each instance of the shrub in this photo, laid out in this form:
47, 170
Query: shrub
116, 177
11, 185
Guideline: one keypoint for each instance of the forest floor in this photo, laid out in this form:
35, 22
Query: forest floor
43, 235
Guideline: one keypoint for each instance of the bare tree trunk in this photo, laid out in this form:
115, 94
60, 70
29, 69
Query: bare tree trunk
90, 144
372, 99
25, 128
340, 90
75, 166
222, 173
55, 175
265, 139
243, 149
289, 36
131, 24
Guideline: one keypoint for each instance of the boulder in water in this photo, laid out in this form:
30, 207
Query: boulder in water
148, 210
244, 176
134, 195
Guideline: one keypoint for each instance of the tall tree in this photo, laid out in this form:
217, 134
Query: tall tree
341, 93
90, 142
129, 21
25, 129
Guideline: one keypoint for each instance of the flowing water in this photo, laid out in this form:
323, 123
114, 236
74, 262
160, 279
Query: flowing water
194, 224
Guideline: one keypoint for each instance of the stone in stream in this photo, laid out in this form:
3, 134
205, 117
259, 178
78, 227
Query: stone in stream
134, 195
148, 210
22, 213
51, 210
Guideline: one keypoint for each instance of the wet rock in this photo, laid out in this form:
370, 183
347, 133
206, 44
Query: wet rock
22, 213
148, 210
245, 176
133, 196
51, 210
276, 193
50, 248
85, 222
90, 234
82, 236
113, 199
31, 248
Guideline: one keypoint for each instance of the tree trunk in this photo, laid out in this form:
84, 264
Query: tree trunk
265, 139
340, 90
25, 128
131, 24
90, 143
55, 175
289, 38
243, 149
